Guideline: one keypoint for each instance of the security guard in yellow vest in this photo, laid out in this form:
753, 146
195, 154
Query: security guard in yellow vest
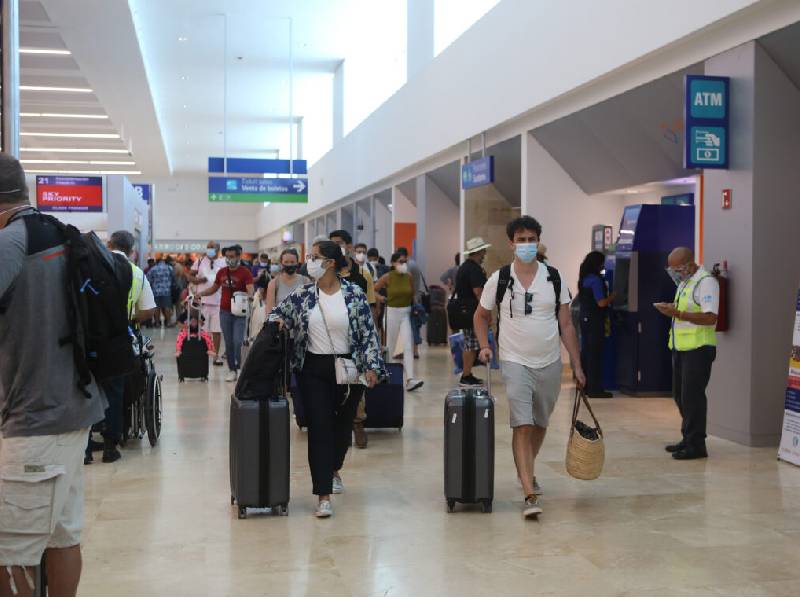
141, 306
693, 341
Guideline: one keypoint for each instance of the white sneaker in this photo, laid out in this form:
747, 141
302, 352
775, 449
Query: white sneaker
338, 486
414, 384
324, 510
232, 376
532, 508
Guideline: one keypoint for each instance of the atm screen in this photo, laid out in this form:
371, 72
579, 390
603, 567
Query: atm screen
621, 281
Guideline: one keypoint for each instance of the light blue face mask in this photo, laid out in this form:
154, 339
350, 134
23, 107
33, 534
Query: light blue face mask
526, 252
211, 252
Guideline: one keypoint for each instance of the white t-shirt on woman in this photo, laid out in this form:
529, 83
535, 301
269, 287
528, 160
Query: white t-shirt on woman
338, 320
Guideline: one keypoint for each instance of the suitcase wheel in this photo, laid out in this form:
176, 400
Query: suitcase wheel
180, 379
205, 379
282, 510
233, 500
451, 506
242, 512
487, 506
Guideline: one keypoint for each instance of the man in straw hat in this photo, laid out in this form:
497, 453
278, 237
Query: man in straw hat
470, 280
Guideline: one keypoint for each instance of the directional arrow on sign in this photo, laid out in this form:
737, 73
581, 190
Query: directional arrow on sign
299, 186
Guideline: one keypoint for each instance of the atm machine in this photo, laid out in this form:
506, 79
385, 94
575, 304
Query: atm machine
647, 234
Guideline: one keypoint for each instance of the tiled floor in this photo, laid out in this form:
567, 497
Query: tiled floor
159, 522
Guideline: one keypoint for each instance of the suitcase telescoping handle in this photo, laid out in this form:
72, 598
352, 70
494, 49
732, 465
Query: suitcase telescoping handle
489, 377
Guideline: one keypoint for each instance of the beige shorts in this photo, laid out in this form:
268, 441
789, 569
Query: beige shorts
211, 315
41, 495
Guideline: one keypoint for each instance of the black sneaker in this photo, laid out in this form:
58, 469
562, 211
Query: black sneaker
87, 457
471, 380
672, 448
110, 452
689, 453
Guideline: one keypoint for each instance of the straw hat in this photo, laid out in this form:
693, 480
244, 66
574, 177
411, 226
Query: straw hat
476, 244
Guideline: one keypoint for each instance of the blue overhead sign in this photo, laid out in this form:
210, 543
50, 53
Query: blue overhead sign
707, 116
144, 191
477, 173
260, 166
257, 189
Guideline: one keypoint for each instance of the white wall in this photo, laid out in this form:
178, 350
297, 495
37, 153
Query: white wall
564, 211
441, 233
618, 42
182, 211
404, 210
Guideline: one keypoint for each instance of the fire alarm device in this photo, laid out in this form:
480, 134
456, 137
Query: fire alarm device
726, 199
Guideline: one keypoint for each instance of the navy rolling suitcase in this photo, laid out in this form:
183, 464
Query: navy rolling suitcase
385, 402
193, 361
469, 447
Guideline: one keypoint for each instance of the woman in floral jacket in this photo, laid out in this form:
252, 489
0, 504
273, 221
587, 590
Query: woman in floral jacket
329, 319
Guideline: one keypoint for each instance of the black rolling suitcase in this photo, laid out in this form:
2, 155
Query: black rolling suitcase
259, 428
259, 454
297, 403
437, 326
193, 361
385, 402
469, 447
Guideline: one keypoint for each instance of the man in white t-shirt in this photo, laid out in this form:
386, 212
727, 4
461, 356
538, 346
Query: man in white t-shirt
204, 273
530, 349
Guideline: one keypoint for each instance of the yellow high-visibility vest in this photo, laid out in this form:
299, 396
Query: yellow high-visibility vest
136, 290
684, 335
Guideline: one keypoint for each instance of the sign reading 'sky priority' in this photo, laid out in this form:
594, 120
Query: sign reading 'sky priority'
257, 189
707, 116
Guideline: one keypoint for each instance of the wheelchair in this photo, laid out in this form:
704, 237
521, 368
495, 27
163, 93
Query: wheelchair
143, 395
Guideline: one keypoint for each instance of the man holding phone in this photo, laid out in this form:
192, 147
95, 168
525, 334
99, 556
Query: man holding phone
693, 342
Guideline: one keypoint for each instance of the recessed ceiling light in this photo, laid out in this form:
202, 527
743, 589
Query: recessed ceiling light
74, 172
29, 161
184, 78
62, 115
95, 136
49, 88
77, 150
183, 38
43, 51
185, 106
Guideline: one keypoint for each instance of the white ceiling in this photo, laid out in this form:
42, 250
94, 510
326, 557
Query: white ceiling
105, 58
183, 46
37, 31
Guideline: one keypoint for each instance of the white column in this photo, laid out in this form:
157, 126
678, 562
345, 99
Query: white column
421, 185
419, 35
338, 103
462, 202
10, 58
525, 141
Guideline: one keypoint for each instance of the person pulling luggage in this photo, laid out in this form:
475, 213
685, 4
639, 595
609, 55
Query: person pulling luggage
336, 353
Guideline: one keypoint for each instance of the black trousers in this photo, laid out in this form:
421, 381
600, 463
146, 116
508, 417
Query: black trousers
115, 394
330, 411
691, 371
593, 332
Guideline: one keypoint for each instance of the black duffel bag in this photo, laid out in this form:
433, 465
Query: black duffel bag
460, 312
264, 370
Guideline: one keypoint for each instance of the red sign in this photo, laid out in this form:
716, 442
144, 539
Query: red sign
55, 193
726, 199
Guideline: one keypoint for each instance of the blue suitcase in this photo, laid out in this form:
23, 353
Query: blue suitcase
384, 402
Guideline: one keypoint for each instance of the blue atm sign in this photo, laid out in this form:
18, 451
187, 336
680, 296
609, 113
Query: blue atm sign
707, 112
477, 173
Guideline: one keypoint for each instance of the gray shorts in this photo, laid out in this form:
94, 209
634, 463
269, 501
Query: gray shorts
532, 393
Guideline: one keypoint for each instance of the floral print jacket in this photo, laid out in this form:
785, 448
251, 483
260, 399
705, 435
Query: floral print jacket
294, 311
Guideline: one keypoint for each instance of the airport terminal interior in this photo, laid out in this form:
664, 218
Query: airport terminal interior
634, 162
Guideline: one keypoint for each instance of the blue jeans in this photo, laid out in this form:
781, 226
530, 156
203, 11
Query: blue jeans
233, 333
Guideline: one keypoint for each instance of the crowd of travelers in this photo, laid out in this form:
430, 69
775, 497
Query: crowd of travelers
341, 305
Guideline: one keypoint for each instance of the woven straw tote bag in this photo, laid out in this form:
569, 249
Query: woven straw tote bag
585, 456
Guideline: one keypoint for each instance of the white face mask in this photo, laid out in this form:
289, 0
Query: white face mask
315, 268
401, 268
361, 258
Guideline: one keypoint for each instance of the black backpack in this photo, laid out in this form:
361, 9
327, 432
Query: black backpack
506, 282
97, 286
264, 370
